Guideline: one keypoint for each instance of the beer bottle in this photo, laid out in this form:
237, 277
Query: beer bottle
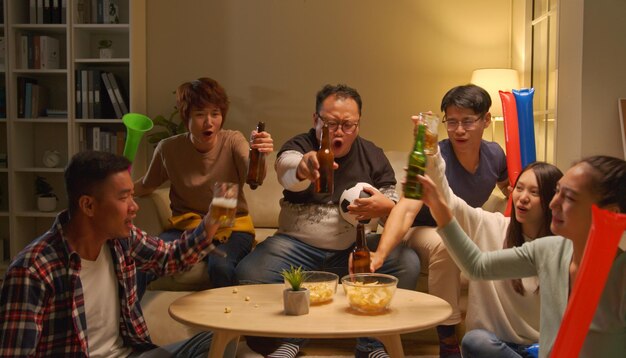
360, 253
256, 164
326, 158
417, 165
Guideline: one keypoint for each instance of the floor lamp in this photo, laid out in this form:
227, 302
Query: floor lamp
494, 80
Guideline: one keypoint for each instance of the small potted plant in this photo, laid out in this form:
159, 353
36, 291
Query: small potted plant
46, 199
105, 48
295, 298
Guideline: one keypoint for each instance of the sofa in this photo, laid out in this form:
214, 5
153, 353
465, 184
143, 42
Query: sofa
264, 209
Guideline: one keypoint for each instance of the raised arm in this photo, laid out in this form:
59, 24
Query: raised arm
515, 262
472, 220
396, 226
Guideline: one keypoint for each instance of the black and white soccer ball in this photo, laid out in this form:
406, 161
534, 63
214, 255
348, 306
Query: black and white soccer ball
348, 196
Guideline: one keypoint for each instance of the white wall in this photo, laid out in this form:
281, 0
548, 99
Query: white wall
273, 55
592, 76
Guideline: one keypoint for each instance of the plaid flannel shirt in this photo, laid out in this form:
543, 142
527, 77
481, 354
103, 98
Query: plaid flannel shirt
42, 308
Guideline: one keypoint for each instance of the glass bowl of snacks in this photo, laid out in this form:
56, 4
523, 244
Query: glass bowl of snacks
321, 285
369, 292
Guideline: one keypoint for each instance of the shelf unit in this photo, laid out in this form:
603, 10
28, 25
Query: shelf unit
4, 136
27, 139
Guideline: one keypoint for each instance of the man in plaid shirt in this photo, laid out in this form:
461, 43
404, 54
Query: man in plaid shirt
72, 292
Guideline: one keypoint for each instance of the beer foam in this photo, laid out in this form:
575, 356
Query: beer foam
228, 203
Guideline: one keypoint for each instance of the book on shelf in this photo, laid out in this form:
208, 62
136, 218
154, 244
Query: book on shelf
23, 52
21, 94
28, 100
2, 53
39, 101
3, 101
58, 113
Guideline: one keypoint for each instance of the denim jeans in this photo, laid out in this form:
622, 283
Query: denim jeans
279, 252
195, 347
484, 344
221, 269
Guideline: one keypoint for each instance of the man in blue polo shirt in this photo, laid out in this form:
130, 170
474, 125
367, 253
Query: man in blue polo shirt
473, 168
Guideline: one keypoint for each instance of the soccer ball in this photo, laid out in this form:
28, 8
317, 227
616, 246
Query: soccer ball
348, 196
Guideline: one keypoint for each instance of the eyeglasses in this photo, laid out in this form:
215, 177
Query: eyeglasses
468, 123
348, 127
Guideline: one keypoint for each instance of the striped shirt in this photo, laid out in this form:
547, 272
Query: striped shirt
42, 308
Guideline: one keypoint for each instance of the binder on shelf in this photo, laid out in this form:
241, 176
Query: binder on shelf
32, 11
84, 88
63, 11
118, 94
82, 140
40, 11
95, 84
55, 12
111, 93
47, 12
95, 138
91, 100
49, 53
78, 86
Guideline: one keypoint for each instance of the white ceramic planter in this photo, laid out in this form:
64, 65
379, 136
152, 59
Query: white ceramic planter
296, 302
46, 203
106, 53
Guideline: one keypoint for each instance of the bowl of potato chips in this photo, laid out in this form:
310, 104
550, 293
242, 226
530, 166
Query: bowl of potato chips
321, 285
369, 292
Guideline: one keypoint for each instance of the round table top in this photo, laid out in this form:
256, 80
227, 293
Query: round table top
257, 310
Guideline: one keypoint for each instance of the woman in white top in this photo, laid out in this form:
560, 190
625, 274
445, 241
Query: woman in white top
502, 316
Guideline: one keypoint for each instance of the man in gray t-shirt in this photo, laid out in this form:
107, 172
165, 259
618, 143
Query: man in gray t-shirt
473, 168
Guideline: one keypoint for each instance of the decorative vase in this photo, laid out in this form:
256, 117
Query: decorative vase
296, 302
46, 203
106, 52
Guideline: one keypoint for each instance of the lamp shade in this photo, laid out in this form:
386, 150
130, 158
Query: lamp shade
494, 80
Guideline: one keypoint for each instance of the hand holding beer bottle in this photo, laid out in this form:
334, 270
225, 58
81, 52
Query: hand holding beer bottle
431, 121
224, 204
417, 165
326, 160
256, 164
361, 253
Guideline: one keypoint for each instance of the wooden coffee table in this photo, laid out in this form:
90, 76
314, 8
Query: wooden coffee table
257, 310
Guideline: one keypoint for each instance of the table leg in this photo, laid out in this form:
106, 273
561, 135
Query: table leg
224, 344
393, 345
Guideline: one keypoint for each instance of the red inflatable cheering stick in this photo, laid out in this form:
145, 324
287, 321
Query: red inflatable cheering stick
511, 138
606, 231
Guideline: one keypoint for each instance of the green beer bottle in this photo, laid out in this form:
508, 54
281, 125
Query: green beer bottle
417, 165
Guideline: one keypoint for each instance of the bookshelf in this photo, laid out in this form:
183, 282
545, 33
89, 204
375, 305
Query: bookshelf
41, 94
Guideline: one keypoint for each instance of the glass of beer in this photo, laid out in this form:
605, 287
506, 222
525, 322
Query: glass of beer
224, 204
432, 129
